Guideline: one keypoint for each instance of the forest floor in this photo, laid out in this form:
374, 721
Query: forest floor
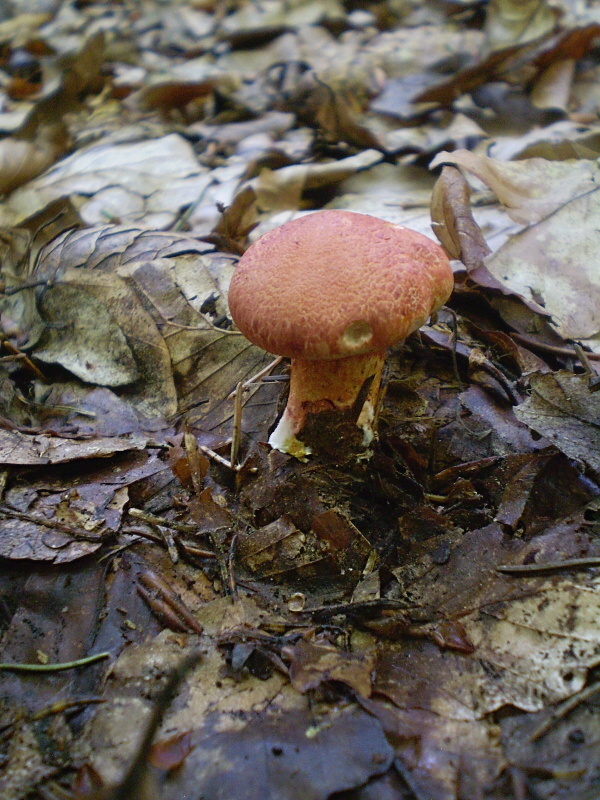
419, 624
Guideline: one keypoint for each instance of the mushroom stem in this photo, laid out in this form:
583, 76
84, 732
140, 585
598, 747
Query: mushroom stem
321, 385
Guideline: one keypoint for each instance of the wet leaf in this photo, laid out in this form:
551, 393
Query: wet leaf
313, 663
564, 410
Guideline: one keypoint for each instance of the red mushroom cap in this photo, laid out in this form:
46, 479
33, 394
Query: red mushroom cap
334, 284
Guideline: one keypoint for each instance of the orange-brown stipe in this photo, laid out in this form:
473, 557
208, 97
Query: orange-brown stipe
335, 285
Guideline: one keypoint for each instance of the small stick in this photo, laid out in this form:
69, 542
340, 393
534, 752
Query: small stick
82, 662
216, 457
231, 566
199, 552
259, 376
155, 590
76, 533
562, 710
27, 361
590, 373
171, 546
221, 560
151, 519
237, 425
452, 313
551, 566
16, 357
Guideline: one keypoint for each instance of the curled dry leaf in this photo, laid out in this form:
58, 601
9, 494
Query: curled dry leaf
21, 159
452, 220
553, 261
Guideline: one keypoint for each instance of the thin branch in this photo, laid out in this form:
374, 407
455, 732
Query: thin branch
550, 566
82, 662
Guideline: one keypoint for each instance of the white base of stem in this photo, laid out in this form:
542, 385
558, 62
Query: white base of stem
325, 385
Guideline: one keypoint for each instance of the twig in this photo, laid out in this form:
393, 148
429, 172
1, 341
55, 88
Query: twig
76, 533
82, 662
221, 560
261, 375
179, 224
231, 566
550, 566
565, 708
166, 604
236, 435
198, 552
27, 361
29, 285
216, 457
209, 327
151, 519
590, 372
452, 313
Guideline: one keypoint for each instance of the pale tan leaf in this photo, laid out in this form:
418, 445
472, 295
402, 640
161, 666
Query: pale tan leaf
554, 261
137, 354
151, 180
26, 449
530, 190
509, 23
21, 159
279, 189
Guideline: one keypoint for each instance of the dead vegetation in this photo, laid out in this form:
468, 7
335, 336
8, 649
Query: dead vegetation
421, 624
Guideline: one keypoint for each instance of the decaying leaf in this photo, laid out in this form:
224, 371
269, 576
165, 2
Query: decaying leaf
553, 260
313, 663
564, 410
140, 190
20, 448
402, 625
534, 637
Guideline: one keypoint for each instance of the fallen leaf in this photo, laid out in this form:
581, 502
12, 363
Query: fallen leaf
564, 410
25, 449
552, 260
122, 181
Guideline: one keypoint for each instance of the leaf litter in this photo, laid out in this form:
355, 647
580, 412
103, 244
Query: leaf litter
420, 625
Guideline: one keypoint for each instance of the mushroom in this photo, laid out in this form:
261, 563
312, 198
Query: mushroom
332, 290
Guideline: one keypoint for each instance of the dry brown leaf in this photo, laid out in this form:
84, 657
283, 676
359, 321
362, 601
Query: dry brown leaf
282, 189
564, 410
534, 637
553, 261
36, 449
452, 220
315, 662
530, 190
22, 159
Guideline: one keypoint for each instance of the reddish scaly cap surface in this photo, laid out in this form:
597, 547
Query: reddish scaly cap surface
334, 284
